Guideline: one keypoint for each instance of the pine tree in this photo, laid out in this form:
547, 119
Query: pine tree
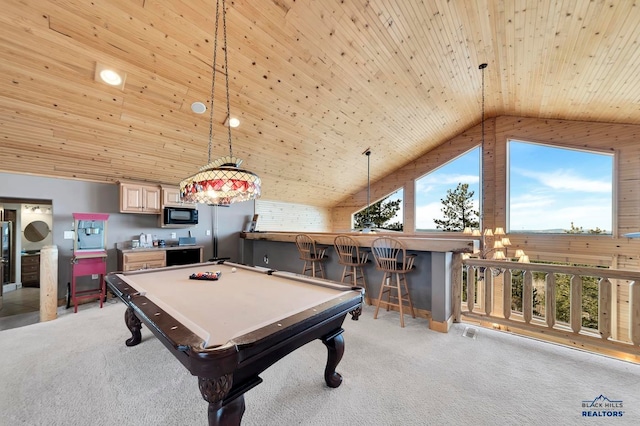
379, 214
458, 210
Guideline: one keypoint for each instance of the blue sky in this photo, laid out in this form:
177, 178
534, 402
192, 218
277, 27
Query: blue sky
548, 188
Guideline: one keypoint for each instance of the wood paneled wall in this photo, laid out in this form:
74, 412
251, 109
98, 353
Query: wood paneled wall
277, 216
621, 140
613, 250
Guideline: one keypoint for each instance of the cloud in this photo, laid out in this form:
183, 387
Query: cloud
532, 212
426, 213
447, 179
561, 179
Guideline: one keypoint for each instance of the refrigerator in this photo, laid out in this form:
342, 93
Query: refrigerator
5, 255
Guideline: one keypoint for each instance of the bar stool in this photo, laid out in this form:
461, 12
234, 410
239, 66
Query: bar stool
391, 257
311, 254
353, 259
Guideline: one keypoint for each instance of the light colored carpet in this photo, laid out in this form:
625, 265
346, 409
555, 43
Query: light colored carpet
76, 370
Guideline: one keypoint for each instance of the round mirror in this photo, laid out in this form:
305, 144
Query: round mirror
36, 231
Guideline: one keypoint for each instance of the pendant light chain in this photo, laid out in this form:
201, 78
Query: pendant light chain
482, 191
222, 181
213, 78
482, 67
226, 73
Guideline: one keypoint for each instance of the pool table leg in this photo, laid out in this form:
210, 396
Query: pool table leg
214, 391
134, 325
335, 348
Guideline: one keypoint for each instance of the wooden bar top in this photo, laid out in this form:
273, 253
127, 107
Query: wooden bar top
411, 242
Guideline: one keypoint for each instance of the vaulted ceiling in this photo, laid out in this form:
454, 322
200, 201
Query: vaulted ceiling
313, 82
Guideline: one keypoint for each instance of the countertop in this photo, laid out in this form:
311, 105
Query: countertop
172, 247
411, 242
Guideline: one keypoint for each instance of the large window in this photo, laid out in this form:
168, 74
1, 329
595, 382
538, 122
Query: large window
460, 176
559, 190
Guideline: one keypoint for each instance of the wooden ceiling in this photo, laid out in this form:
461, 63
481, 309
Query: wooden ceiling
314, 83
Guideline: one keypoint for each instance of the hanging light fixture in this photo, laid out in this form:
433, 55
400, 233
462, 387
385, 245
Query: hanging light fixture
220, 182
368, 225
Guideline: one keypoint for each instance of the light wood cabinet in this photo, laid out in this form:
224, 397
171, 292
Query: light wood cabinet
133, 261
170, 196
138, 198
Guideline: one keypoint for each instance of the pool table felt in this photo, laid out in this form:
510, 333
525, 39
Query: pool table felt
237, 303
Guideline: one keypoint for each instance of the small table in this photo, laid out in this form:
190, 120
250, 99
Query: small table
230, 330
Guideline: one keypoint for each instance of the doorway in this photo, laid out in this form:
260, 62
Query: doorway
27, 228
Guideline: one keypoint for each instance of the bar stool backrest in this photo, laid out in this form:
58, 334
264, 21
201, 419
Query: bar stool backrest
348, 251
391, 256
306, 247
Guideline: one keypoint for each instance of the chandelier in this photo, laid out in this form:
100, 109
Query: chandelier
220, 182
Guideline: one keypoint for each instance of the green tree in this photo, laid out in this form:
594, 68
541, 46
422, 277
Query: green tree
589, 306
517, 291
458, 210
579, 230
379, 214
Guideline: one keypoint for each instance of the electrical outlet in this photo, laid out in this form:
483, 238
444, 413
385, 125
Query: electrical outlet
94, 276
69, 235
173, 235
208, 232
266, 259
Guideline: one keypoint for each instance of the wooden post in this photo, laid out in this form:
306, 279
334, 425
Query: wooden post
48, 283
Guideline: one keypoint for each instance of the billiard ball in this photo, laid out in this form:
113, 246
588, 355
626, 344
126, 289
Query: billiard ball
233, 269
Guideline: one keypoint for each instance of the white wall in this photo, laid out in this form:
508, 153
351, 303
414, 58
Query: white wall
73, 196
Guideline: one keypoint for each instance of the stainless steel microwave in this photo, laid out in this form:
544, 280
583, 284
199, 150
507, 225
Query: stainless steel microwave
179, 216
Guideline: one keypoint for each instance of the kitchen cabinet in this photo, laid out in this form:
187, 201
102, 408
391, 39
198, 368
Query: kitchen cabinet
139, 198
144, 259
171, 197
149, 258
184, 256
30, 270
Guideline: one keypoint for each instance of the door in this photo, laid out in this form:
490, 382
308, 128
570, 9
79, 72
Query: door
5, 251
5, 255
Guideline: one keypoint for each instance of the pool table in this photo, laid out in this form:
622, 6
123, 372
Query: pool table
228, 331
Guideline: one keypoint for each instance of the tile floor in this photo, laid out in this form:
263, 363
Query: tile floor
20, 307
25, 299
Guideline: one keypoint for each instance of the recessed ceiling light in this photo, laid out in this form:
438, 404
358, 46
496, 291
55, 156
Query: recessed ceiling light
110, 76
231, 122
198, 107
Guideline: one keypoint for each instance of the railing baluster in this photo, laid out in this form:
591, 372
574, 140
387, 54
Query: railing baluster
576, 303
604, 308
527, 296
482, 293
634, 312
471, 287
506, 293
550, 299
488, 291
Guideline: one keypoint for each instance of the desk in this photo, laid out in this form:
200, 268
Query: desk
229, 331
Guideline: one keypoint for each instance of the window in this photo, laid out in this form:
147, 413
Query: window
386, 213
559, 190
432, 188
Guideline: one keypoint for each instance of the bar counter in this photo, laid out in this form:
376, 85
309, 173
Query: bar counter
411, 242
438, 264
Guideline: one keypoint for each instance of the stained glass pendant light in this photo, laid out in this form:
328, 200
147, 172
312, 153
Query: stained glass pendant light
220, 182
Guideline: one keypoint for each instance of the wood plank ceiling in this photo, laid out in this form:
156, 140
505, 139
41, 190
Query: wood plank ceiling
313, 82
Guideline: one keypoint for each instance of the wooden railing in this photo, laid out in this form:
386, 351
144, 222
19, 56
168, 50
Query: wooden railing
488, 296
